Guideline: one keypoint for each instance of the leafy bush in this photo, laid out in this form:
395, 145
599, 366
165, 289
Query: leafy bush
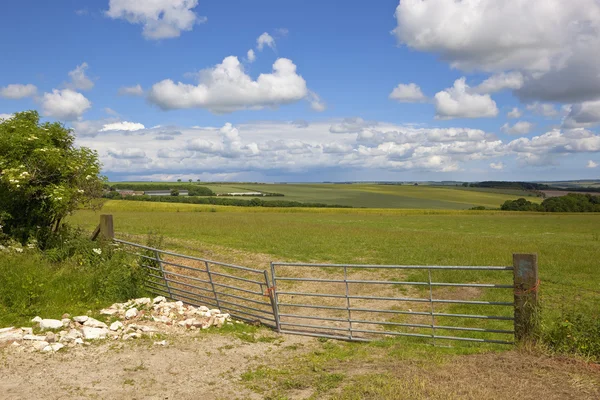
477, 208
520, 205
43, 176
573, 202
73, 276
575, 332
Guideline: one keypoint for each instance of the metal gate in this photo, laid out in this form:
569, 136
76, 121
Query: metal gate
365, 302
240, 291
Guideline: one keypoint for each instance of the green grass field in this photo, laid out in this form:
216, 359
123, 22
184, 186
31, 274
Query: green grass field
568, 244
381, 196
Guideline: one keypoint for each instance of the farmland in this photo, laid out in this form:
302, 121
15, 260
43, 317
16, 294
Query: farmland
568, 245
380, 196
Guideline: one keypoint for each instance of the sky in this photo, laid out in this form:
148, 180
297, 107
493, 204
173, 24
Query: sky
271, 90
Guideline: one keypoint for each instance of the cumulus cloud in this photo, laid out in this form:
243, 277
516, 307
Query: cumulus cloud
79, 81
251, 56
269, 148
497, 166
315, 101
131, 90
519, 128
541, 148
552, 43
459, 102
408, 93
514, 113
501, 81
351, 125
583, 115
18, 91
123, 126
161, 19
226, 88
591, 164
64, 104
128, 153
545, 109
5, 116
265, 40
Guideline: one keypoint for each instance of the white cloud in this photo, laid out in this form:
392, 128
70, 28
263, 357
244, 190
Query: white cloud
591, 164
18, 91
316, 103
519, 128
583, 115
459, 102
129, 153
264, 149
265, 40
226, 88
131, 90
553, 43
351, 125
408, 93
5, 116
110, 111
514, 113
497, 166
122, 126
501, 81
282, 32
251, 56
545, 109
162, 19
79, 81
64, 104
558, 142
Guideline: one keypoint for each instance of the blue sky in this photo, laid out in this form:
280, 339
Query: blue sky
316, 101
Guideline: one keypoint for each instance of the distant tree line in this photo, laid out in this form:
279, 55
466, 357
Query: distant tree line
532, 186
192, 189
572, 202
143, 187
509, 185
222, 201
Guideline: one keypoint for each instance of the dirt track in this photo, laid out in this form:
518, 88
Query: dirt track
190, 367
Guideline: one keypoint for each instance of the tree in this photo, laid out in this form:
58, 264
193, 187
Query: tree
43, 176
189, 180
179, 180
174, 192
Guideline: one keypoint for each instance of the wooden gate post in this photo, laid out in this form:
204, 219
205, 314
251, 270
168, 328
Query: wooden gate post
526, 296
105, 229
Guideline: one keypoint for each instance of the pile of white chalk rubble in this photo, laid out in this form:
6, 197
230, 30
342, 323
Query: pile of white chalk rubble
132, 320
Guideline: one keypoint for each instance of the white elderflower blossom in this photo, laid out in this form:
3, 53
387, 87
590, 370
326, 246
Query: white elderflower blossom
97, 251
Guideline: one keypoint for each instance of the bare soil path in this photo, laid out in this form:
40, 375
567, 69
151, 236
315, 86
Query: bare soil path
190, 366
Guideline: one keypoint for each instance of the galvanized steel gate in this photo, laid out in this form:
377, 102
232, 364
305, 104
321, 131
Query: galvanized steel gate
237, 290
364, 309
343, 301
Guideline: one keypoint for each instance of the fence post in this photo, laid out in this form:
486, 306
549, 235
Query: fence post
105, 229
526, 284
